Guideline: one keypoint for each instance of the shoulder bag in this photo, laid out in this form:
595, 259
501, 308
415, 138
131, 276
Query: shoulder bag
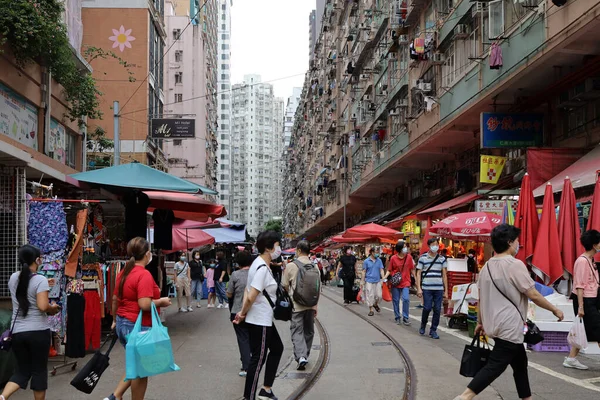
89, 376
397, 277
6, 337
533, 335
424, 274
283, 306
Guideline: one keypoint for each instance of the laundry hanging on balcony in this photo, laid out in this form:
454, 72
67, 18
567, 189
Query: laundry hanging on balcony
495, 56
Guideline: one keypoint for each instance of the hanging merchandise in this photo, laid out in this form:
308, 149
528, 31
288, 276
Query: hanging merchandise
47, 226
136, 206
413, 53
419, 45
73, 258
75, 338
163, 229
495, 56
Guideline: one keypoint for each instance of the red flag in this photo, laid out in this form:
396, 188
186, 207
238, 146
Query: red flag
546, 261
568, 227
594, 218
527, 220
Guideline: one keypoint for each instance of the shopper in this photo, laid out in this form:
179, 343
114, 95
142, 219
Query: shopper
302, 325
135, 291
210, 283
235, 293
432, 284
346, 270
585, 293
371, 280
221, 277
31, 332
197, 276
258, 314
504, 284
183, 284
402, 265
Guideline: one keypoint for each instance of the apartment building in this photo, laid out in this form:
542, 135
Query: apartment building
314, 26
257, 128
402, 96
290, 112
187, 86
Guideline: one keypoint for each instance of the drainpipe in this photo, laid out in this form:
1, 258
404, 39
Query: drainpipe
47, 98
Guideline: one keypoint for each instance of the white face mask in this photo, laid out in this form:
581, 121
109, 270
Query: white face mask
434, 249
349, 252
276, 252
405, 250
197, 257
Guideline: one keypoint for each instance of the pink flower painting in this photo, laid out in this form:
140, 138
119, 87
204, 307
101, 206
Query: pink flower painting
122, 38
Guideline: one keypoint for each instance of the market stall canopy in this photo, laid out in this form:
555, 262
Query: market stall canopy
184, 239
227, 235
139, 176
341, 239
185, 202
227, 223
453, 203
371, 230
466, 226
582, 173
190, 224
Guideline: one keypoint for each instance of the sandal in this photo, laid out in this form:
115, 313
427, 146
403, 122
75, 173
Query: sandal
376, 307
371, 313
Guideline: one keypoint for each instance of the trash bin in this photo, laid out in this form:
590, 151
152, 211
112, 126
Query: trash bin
7, 359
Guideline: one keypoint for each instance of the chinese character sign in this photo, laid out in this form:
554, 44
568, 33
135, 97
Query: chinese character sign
499, 130
491, 168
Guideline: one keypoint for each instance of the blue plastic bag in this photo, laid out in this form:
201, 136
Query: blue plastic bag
149, 352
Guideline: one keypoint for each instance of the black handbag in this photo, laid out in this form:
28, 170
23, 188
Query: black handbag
474, 358
89, 376
283, 306
533, 335
6, 337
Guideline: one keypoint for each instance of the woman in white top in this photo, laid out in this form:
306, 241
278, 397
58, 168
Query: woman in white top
31, 331
258, 314
183, 284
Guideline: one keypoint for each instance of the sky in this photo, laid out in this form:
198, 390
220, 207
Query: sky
270, 38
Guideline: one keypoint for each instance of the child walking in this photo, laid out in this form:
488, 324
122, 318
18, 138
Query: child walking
210, 284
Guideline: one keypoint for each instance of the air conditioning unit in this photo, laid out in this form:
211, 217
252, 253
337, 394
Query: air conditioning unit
402, 103
416, 83
403, 39
425, 87
367, 97
353, 117
461, 31
394, 112
437, 58
364, 141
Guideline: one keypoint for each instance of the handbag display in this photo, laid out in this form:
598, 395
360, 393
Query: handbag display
532, 334
474, 357
6, 337
89, 376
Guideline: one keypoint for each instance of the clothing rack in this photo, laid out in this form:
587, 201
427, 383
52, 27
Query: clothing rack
42, 199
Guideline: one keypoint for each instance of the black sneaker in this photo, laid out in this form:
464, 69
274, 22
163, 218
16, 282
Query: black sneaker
264, 395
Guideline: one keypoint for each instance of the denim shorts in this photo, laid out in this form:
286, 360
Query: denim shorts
211, 290
124, 328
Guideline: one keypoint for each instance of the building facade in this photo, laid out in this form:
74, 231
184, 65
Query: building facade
290, 112
315, 19
257, 127
187, 85
391, 109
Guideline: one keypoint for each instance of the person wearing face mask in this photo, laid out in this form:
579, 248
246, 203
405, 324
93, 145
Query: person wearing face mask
221, 278
505, 289
373, 273
183, 284
197, 277
258, 314
432, 284
585, 293
346, 270
401, 265
210, 283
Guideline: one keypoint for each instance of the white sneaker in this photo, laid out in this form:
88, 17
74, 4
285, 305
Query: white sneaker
573, 363
199, 305
302, 364
210, 306
220, 306
243, 373
190, 309
183, 309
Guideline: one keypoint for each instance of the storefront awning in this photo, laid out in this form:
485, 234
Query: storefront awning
140, 176
582, 173
185, 205
453, 203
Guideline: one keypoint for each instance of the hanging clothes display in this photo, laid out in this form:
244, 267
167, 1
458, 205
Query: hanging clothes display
75, 337
495, 56
136, 206
93, 317
47, 226
73, 258
163, 229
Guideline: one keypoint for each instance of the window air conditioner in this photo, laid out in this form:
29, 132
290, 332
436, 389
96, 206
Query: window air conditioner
394, 112
353, 117
367, 97
437, 58
425, 87
461, 31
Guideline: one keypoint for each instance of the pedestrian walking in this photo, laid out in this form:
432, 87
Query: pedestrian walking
235, 293
585, 294
505, 289
301, 280
183, 284
197, 273
210, 283
371, 280
221, 277
135, 291
346, 270
31, 336
432, 284
258, 314
400, 271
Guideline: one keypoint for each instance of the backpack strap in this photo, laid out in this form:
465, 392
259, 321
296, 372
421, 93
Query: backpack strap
264, 292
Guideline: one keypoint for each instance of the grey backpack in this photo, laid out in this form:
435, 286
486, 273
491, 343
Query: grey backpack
308, 285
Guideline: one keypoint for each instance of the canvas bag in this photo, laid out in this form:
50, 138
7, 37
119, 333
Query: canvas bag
89, 376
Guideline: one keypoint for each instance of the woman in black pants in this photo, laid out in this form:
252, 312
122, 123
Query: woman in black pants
347, 265
31, 331
258, 314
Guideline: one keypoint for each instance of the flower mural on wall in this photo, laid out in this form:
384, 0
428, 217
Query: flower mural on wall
121, 38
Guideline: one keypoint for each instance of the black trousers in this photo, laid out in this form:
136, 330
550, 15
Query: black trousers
348, 289
504, 354
262, 338
31, 351
243, 339
75, 346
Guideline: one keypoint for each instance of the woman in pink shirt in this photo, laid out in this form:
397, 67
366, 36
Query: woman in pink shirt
585, 293
210, 284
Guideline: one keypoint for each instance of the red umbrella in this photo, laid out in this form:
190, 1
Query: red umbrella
424, 246
373, 230
472, 225
527, 220
568, 227
184, 239
594, 218
547, 260
358, 239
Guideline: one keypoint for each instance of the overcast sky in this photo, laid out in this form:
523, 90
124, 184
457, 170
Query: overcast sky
270, 38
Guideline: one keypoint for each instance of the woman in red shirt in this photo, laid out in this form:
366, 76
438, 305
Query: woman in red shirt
401, 263
135, 291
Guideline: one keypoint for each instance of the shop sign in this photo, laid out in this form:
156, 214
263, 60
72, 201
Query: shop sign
490, 206
56, 142
411, 227
179, 128
500, 130
18, 118
491, 168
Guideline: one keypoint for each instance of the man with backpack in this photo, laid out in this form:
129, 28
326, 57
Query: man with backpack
302, 280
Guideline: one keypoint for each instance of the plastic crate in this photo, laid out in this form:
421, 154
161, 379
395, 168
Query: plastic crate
471, 325
553, 342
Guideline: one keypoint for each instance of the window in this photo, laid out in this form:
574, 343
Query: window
222, 168
223, 26
496, 19
178, 97
178, 77
224, 46
178, 55
224, 56
70, 149
177, 142
224, 17
223, 6
176, 34
225, 36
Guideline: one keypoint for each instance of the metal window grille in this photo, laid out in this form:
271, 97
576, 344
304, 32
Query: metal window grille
12, 222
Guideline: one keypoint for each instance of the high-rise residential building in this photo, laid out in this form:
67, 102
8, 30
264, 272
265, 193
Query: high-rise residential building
314, 26
187, 84
290, 111
224, 103
257, 126
134, 31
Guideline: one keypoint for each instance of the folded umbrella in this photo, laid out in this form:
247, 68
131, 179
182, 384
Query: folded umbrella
568, 228
594, 217
527, 220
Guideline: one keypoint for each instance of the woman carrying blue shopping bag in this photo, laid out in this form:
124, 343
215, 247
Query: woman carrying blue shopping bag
136, 294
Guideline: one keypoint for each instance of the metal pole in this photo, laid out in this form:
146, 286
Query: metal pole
345, 161
84, 149
116, 139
